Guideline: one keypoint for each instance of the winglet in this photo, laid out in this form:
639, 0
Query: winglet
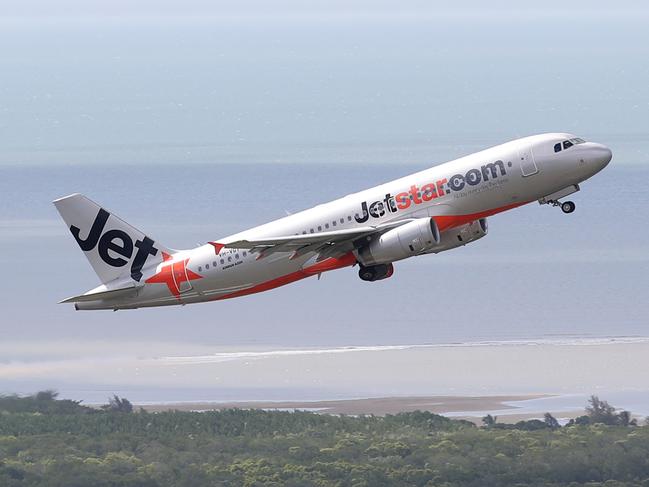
217, 247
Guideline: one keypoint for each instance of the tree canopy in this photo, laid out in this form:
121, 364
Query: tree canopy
115, 446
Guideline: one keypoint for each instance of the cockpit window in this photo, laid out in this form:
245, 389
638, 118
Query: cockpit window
568, 143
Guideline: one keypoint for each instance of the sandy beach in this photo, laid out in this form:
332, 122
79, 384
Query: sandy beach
376, 405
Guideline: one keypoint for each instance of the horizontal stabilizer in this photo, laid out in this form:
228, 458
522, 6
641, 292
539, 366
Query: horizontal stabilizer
94, 295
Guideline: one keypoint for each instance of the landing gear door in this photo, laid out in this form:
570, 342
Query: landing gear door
526, 159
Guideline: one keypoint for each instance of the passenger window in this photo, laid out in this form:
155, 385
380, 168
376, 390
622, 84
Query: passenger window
326, 225
349, 218
207, 266
230, 259
245, 253
557, 147
333, 223
311, 230
200, 268
342, 220
222, 261
214, 264
567, 144
319, 228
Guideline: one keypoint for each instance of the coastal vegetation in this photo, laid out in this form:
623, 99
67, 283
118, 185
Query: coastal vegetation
45, 441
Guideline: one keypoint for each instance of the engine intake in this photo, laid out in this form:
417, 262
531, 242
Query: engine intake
412, 238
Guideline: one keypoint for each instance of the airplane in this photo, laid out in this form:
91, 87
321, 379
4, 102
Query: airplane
431, 211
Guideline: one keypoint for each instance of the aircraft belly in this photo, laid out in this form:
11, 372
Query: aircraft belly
245, 276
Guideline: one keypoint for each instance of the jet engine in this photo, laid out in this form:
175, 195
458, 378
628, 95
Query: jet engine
412, 238
459, 236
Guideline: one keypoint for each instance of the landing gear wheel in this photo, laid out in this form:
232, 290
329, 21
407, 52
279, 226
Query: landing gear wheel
366, 273
567, 207
376, 272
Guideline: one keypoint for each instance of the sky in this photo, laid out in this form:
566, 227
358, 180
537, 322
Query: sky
150, 82
194, 120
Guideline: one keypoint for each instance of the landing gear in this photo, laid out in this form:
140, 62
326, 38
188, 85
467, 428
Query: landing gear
367, 273
375, 272
553, 199
567, 207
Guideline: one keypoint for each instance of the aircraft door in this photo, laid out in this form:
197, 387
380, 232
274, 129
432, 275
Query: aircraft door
526, 159
181, 279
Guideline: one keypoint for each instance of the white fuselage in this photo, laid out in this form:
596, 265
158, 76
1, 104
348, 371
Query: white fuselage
453, 194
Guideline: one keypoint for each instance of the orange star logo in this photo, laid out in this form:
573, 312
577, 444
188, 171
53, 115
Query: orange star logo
173, 275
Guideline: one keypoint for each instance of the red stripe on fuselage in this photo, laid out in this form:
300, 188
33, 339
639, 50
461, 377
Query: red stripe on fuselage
445, 222
329, 264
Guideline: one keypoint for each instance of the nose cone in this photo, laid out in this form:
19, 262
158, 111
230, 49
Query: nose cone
600, 156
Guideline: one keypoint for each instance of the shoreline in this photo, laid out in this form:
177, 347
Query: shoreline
521, 378
457, 406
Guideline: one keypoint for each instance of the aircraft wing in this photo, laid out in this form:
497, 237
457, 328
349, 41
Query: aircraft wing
328, 244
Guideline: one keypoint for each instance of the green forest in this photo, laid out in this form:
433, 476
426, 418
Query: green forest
45, 441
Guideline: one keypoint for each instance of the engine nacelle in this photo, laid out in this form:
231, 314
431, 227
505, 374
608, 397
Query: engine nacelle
412, 238
462, 235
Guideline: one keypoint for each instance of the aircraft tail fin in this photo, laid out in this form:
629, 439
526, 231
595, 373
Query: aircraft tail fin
114, 248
